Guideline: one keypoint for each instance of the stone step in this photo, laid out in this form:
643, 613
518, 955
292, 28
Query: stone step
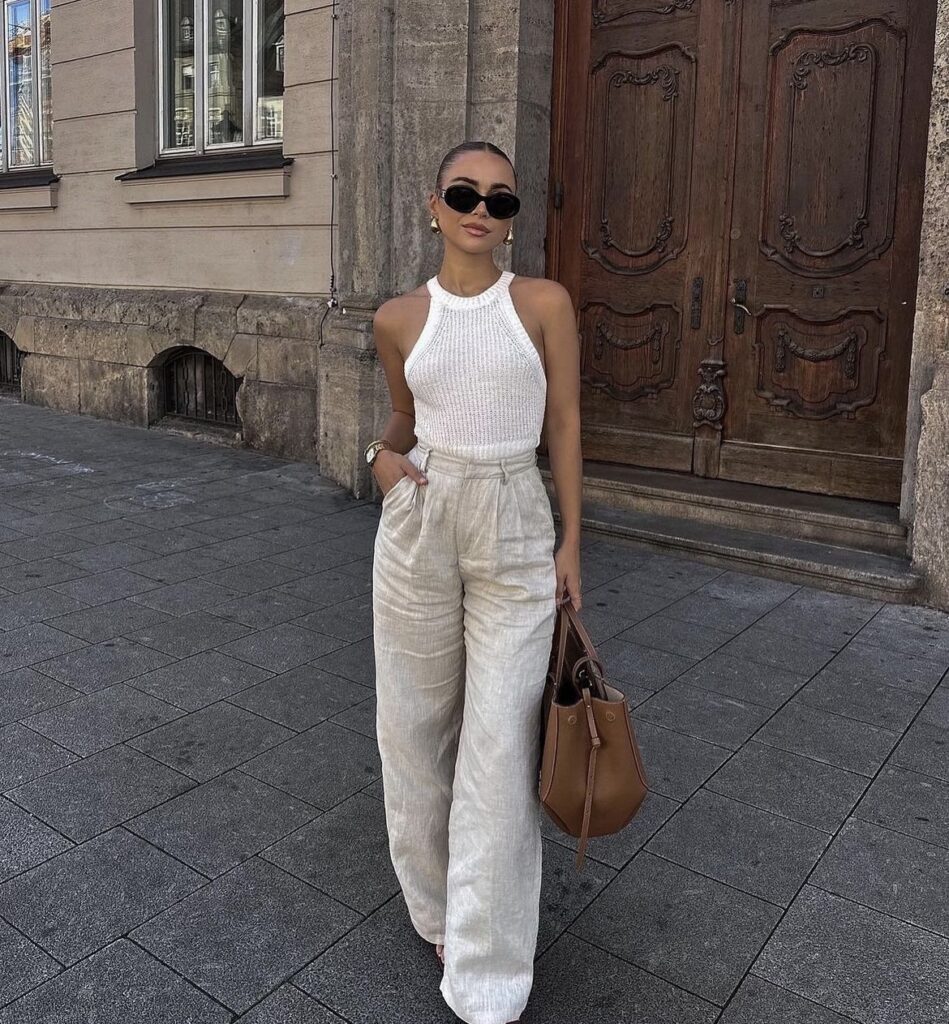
865, 525
847, 546
845, 570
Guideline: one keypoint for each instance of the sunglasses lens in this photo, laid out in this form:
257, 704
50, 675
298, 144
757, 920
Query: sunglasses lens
503, 205
461, 198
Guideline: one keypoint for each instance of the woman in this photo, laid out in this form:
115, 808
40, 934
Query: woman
466, 584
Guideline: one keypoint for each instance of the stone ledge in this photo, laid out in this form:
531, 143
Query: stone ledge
24, 199
264, 184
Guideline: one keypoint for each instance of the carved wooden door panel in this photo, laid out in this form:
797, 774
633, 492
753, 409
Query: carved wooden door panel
638, 212
831, 140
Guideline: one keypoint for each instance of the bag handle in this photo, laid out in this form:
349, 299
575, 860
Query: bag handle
595, 743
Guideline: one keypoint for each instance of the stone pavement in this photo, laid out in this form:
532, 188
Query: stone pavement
191, 826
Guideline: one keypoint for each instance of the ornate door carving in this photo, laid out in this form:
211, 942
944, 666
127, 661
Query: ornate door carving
828, 188
735, 205
632, 153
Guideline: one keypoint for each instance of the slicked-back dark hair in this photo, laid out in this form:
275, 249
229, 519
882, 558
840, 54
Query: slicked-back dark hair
470, 147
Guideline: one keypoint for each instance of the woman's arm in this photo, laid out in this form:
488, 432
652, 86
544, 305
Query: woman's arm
390, 465
562, 426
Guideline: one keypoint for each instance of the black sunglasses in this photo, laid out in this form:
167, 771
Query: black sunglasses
464, 199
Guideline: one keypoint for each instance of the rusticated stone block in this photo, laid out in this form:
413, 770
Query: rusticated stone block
353, 397
52, 382
114, 391
288, 361
241, 358
280, 419
215, 322
931, 525
281, 316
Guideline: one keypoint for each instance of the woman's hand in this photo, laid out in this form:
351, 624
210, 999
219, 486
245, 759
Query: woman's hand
389, 467
567, 560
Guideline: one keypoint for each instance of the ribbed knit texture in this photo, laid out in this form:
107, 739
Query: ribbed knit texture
479, 383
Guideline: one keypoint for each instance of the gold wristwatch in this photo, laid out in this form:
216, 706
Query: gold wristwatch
373, 449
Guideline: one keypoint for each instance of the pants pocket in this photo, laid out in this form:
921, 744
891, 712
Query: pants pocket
391, 492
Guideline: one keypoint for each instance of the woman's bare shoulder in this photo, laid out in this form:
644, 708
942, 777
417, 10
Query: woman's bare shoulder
401, 305
398, 317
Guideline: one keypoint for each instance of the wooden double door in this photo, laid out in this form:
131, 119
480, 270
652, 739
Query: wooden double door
735, 206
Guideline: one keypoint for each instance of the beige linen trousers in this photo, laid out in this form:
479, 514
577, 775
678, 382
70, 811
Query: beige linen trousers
464, 605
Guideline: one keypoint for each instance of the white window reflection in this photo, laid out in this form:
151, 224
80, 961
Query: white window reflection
222, 73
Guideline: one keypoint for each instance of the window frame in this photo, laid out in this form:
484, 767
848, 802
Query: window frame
250, 86
45, 159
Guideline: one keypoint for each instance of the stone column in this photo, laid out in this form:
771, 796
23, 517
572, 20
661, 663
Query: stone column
924, 503
931, 525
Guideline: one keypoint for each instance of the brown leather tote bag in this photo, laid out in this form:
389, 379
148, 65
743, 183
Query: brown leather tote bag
592, 779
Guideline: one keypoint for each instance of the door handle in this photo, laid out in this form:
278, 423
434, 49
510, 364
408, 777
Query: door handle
741, 310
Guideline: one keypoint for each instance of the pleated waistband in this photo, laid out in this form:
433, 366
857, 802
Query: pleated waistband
460, 465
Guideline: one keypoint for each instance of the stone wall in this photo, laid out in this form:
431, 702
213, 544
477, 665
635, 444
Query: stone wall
925, 504
931, 523
100, 351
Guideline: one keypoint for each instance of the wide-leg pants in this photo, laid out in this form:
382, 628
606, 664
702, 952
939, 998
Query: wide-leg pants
464, 605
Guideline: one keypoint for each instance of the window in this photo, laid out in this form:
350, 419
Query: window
221, 73
26, 107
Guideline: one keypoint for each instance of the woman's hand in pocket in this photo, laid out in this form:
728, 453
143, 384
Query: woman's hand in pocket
389, 468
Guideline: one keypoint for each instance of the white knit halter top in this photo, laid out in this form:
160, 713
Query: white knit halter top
479, 384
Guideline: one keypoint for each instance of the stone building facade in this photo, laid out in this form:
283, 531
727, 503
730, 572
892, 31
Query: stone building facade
274, 267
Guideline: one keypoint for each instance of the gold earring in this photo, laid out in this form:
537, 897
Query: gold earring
509, 237
436, 229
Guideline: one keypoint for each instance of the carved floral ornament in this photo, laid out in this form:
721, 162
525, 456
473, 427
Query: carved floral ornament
708, 403
604, 10
602, 333
784, 343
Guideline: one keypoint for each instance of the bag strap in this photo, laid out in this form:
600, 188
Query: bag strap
595, 742
574, 616
561, 644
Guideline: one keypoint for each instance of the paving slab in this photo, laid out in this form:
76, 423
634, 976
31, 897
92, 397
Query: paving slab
745, 847
789, 784
200, 680
301, 697
288, 1005
25, 692
25, 965
96, 793
908, 802
206, 743
759, 1002
82, 899
865, 965
98, 720
117, 985
322, 766
93, 668
321, 853
680, 925
25, 755
896, 874
217, 825
242, 934
26, 841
